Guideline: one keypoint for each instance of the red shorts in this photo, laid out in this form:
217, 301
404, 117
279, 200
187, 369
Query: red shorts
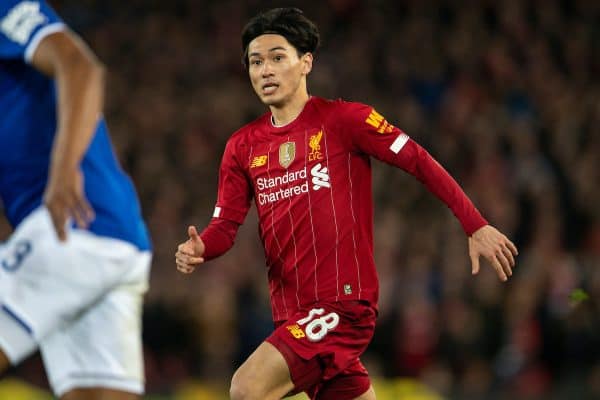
322, 346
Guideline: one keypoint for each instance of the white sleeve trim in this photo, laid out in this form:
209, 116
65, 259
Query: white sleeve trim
399, 143
39, 35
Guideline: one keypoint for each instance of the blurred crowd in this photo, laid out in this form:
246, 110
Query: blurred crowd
505, 94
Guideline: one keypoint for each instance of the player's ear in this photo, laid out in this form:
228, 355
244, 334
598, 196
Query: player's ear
307, 61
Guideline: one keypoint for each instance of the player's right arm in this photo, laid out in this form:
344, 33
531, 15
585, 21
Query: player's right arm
189, 253
233, 202
79, 78
31, 31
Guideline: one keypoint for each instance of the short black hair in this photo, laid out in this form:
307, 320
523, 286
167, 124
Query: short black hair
288, 22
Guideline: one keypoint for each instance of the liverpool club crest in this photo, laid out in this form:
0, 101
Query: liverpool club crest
315, 146
287, 153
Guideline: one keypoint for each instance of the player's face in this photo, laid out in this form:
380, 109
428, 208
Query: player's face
277, 72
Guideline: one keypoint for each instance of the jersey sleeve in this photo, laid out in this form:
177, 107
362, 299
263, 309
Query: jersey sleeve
23, 24
371, 134
234, 190
218, 237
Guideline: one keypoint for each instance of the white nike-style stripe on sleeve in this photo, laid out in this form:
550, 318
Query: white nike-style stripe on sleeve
399, 143
37, 38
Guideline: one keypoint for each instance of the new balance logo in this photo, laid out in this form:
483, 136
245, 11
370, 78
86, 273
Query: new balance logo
258, 161
320, 177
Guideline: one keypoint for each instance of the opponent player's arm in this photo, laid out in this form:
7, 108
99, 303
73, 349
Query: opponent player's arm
79, 78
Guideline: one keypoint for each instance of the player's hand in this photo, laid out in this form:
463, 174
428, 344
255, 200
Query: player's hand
65, 199
189, 253
490, 243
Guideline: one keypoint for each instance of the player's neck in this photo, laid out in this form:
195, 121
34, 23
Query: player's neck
287, 113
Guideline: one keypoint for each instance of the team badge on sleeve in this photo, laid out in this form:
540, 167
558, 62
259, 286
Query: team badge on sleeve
377, 121
21, 21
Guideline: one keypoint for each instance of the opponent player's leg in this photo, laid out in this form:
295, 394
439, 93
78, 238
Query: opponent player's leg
98, 394
263, 376
4, 363
99, 355
16, 342
96, 357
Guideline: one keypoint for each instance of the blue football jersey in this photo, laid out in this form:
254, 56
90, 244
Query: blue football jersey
28, 126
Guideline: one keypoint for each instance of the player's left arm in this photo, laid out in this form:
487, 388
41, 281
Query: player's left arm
372, 134
79, 78
494, 246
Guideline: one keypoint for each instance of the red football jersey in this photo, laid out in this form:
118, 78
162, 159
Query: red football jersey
311, 183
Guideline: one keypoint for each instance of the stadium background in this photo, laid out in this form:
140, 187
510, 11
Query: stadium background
505, 94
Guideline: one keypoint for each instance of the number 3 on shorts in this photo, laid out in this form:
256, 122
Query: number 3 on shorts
14, 260
317, 328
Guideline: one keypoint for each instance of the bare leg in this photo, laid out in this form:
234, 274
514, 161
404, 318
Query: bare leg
263, 376
368, 395
98, 394
4, 363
